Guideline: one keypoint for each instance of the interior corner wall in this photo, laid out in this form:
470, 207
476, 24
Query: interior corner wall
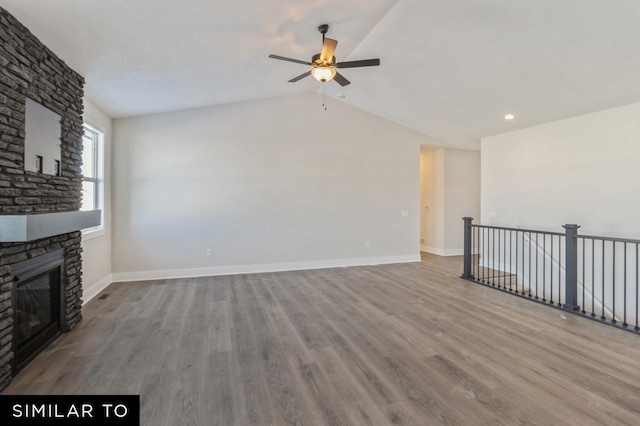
461, 195
450, 188
583, 170
96, 248
270, 184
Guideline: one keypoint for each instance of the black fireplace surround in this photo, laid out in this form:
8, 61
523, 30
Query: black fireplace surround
37, 300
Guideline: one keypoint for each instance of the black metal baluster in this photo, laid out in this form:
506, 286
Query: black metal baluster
493, 257
479, 229
584, 279
624, 295
560, 270
479, 250
593, 277
485, 253
602, 317
480, 277
536, 264
496, 259
476, 248
503, 264
490, 265
490, 258
551, 274
481, 253
510, 259
476, 238
544, 267
499, 249
637, 327
529, 291
524, 264
613, 290
478, 254
504, 259
486, 260
471, 244
517, 232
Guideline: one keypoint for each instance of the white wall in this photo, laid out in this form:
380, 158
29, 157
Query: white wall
269, 184
450, 188
461, 195
96, 254
583, 170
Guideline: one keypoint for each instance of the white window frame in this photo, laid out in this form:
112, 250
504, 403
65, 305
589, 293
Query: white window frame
96, 231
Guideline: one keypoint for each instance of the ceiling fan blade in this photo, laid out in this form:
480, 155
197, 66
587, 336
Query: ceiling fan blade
282, 58
300, 77
356, 64
328, 49
339, 78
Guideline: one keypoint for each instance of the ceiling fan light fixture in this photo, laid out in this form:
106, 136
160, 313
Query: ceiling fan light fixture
323, 73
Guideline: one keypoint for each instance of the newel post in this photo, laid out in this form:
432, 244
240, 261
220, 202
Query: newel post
467, 248
571, 272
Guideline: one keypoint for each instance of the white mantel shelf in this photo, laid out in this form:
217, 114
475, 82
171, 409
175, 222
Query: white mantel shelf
29, 227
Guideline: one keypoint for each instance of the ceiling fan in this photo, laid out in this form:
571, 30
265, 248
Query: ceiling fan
323, 64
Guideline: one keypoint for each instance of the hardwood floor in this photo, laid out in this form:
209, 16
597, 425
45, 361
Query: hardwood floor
408, 344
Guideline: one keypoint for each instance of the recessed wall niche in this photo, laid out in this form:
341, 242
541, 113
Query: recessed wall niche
42, 146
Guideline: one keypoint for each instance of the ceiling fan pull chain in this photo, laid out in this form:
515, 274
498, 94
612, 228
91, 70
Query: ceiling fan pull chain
324, 95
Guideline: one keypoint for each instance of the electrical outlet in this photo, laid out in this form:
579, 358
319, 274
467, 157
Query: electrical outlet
209, 252
367, 244
404, 213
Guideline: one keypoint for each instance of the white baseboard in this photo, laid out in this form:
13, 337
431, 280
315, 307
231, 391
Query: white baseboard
94, 290
257, 269
441, 252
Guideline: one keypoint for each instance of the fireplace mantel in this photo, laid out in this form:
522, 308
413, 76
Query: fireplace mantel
29, 227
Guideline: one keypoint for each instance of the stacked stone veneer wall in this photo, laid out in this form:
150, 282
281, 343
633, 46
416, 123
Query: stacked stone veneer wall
29, 70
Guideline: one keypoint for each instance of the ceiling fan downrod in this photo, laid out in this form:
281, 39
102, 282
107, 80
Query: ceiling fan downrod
324, 28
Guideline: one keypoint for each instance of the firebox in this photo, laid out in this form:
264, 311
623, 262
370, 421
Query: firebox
37, 301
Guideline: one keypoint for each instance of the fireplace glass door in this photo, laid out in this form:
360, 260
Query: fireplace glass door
36, 305
33, 308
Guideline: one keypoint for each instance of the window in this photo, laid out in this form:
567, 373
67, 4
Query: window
92, 172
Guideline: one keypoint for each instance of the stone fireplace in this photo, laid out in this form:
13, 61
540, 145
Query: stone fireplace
29, 70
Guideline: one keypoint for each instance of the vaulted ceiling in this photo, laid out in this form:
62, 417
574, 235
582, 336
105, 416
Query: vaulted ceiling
450, 69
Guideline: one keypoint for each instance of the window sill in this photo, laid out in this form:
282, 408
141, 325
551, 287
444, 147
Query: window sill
91, 233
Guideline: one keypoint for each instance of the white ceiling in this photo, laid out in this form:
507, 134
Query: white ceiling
450, 69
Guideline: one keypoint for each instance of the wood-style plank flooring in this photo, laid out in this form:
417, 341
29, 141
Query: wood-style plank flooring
408, 344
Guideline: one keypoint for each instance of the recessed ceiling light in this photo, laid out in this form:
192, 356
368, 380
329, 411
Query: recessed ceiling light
509, 117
